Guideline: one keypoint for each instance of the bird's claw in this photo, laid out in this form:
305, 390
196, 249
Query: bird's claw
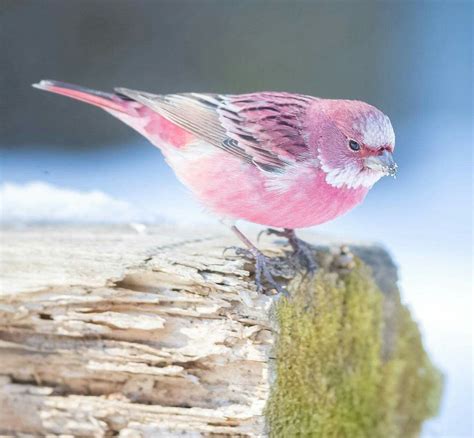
263, 269
269, 231
237, 250
303, 252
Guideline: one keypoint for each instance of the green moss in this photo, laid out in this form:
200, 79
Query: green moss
334, 376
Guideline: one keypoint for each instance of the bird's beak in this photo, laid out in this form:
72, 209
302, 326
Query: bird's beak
383, 163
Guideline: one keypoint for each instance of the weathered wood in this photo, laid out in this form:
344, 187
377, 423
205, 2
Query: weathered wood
153, 334
149, 332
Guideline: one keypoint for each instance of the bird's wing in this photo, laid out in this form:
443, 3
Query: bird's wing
261, 128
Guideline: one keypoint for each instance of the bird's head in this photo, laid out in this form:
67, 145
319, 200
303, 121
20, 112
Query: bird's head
355, 144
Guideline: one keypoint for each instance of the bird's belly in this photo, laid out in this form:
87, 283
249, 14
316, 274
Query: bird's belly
235, 189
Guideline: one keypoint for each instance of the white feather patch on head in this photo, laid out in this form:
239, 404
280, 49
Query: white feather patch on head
376, 130
351, 175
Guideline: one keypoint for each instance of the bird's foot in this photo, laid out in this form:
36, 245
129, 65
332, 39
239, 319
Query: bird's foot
303, 252
265, 269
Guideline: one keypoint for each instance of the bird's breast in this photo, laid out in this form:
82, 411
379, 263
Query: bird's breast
239, 190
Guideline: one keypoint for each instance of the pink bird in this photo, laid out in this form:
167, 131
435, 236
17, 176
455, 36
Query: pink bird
277, 159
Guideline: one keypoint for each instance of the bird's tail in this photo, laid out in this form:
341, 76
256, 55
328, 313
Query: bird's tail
107, 101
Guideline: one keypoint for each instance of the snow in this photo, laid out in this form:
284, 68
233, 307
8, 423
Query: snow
38, 202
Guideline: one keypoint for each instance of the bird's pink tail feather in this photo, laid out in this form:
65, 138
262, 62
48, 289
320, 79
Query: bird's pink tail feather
98, 98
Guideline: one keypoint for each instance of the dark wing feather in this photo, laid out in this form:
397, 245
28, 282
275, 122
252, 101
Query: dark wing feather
262, 128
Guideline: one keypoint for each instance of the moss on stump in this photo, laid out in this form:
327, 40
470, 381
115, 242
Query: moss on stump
336, 375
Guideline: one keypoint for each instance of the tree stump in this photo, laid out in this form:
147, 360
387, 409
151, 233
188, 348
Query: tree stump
110, 331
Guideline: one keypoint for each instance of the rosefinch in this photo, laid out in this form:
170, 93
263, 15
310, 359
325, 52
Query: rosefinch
273, 158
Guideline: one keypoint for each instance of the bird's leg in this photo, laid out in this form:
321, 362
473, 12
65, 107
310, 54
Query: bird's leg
262, 263
302, 250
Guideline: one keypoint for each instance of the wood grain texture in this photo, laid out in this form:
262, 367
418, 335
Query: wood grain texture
110, 332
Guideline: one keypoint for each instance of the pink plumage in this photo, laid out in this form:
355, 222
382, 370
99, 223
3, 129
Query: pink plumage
273, 158
277, 159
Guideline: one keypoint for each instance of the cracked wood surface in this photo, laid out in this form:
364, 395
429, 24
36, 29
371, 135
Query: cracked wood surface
106, 331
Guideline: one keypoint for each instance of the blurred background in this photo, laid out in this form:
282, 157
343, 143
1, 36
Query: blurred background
63, 161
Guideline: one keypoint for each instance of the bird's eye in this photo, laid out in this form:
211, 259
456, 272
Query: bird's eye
354, 145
